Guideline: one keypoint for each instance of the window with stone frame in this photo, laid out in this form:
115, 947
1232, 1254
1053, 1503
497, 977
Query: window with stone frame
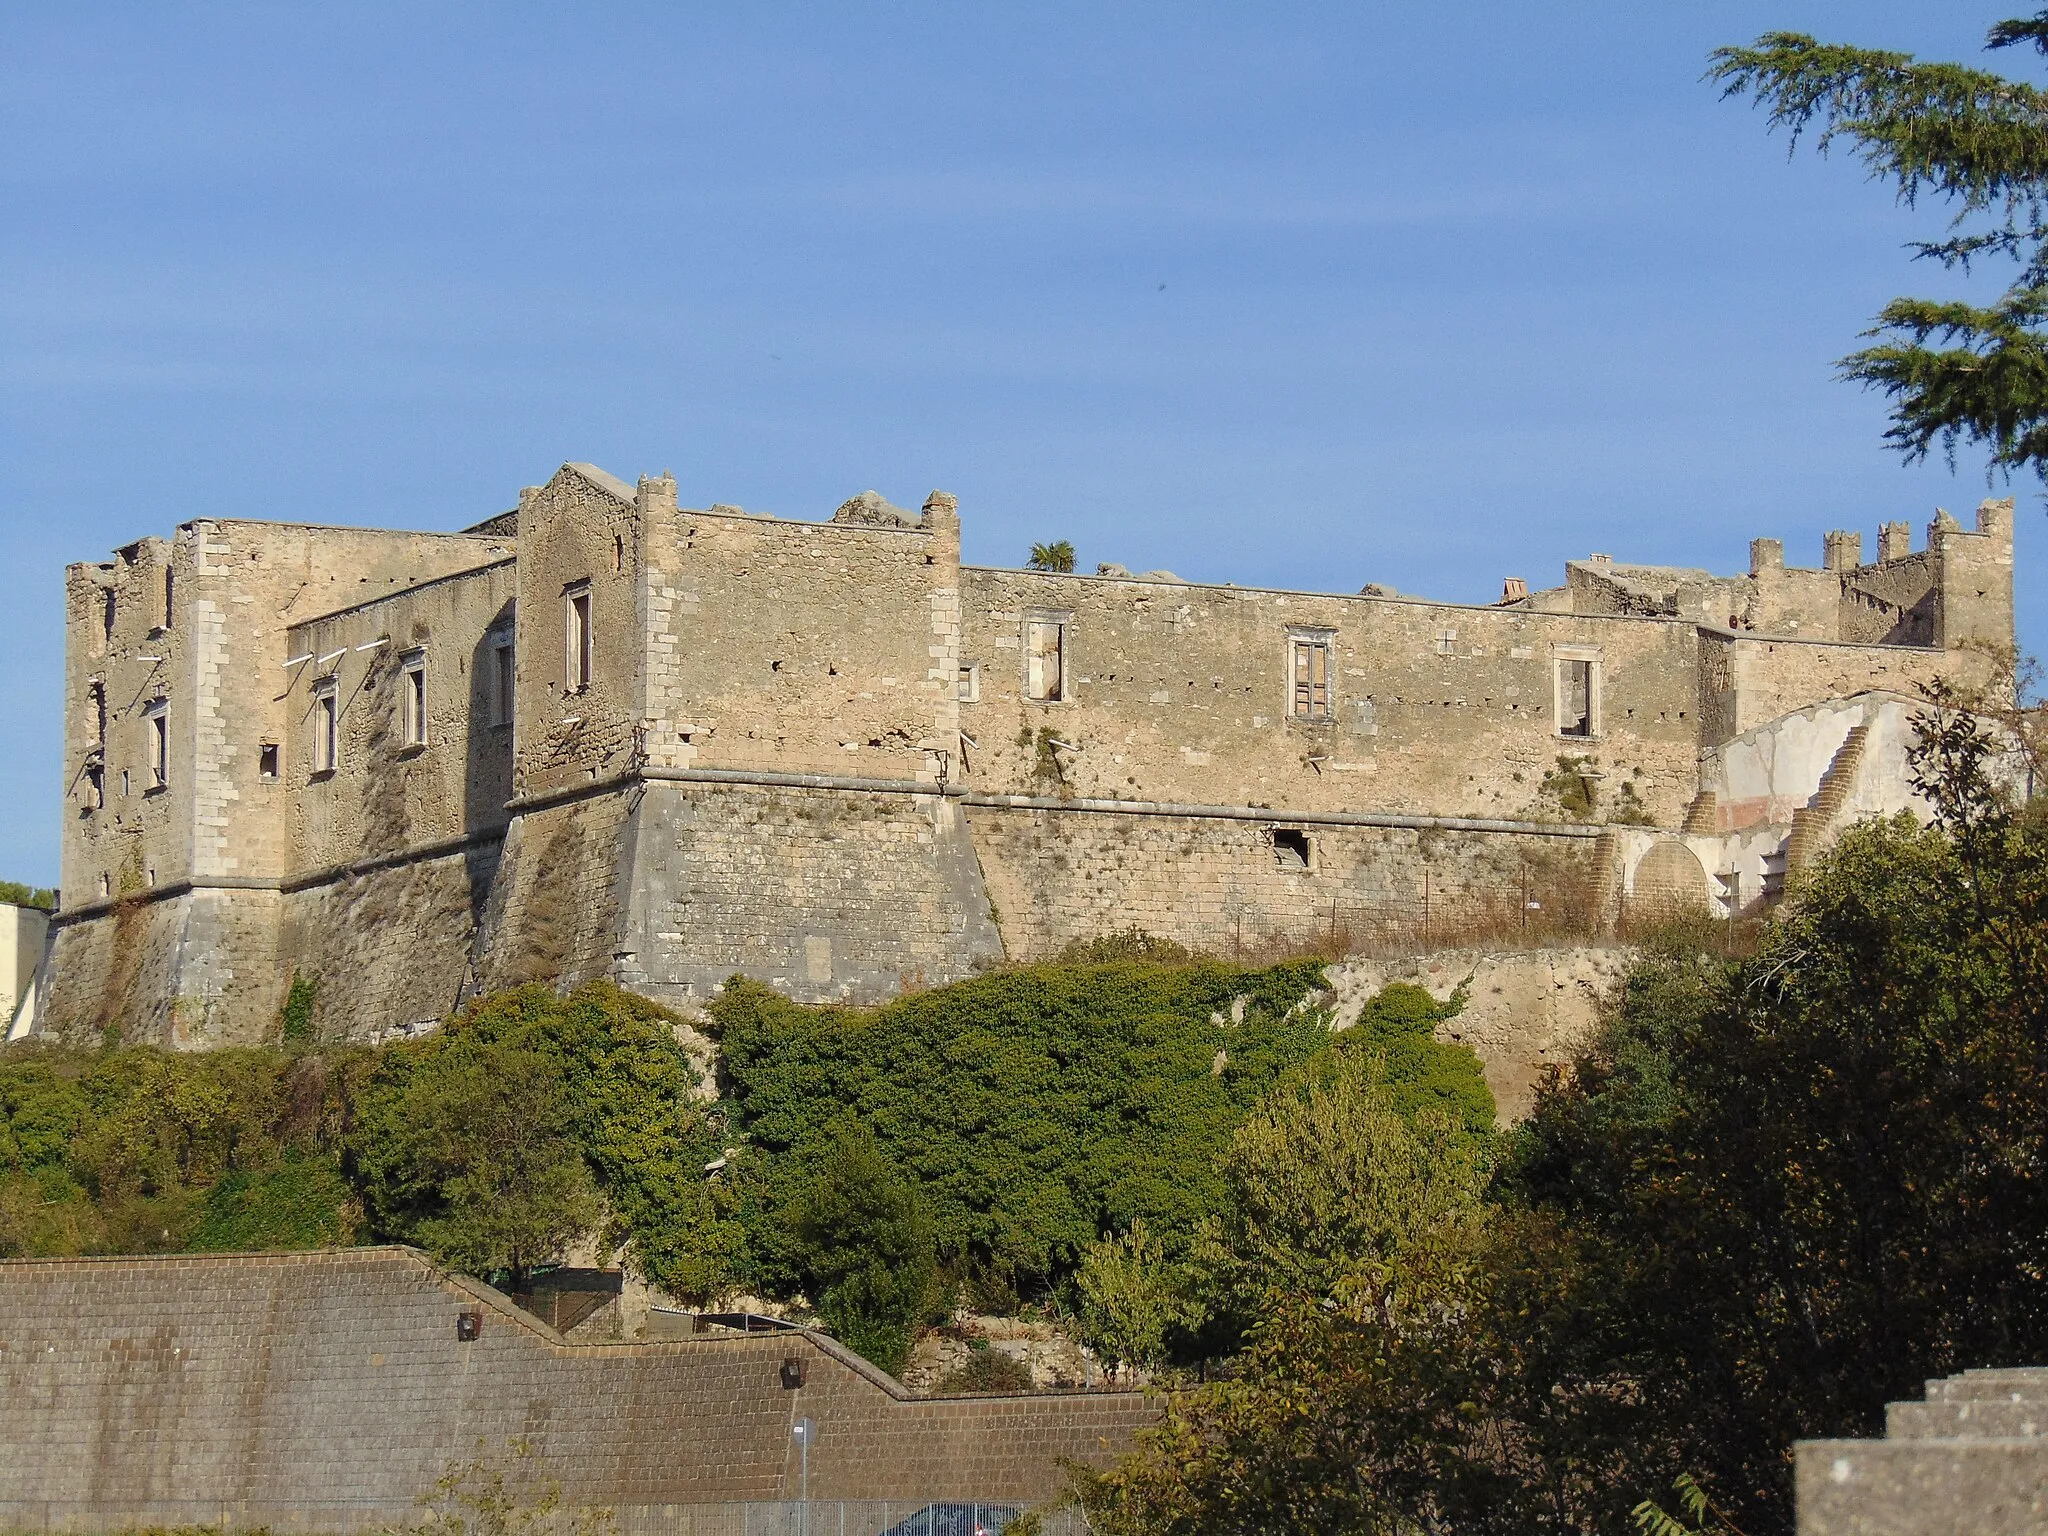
502, 679
326, 726
413, 698
1308, 666
577, 636
1577, 687
1045, 660
157, 718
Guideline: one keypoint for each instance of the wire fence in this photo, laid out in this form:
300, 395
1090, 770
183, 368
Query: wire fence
788, 1517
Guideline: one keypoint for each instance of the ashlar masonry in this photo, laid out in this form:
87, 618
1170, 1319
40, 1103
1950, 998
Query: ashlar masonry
606, 735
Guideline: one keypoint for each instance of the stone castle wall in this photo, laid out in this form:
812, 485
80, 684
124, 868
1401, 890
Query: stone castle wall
141, 1390
810, 751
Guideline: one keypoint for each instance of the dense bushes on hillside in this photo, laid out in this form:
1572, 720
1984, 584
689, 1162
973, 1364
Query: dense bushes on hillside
1776, 1193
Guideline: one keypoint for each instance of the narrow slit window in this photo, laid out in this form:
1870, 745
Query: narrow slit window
170, 591
107, 616
501, 683
413, 701
159, 747
1045, 660
266, 761
1577, 696
578, 636
1310, 698
99, 715
326, 728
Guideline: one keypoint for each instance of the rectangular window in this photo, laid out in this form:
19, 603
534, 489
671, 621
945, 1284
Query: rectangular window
1309, 698
169, 579
159, 746
501, 682
1045, 660
326, 727
1578, 696
99, 715
578, 637
266, 760
413, 700
95, 787
970, 682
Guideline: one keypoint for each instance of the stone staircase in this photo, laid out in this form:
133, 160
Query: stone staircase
1811, 821
1972, 1457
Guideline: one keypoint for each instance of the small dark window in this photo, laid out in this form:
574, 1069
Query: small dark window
266, 761
169, 591
107, 615
1291, 848
469, 1326
618, 552
793, 1371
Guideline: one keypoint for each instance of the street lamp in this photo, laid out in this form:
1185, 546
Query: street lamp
804, 1432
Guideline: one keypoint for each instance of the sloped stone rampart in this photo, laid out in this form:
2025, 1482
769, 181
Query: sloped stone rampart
271, 1384
1525, 1010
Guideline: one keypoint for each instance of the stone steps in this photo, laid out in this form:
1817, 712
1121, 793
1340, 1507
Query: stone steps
1812, 820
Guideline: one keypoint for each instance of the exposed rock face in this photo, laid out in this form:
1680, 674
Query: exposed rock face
1525, 1010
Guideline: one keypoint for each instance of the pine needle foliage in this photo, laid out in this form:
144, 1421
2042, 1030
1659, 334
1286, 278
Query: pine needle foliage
1956, 373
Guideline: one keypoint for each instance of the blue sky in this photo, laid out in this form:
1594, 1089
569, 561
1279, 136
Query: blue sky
1423, 294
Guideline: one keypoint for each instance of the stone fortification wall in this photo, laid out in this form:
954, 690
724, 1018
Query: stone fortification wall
388, 791
1525, 1011
1180, 693
555, 903
1226, 884
825, 893
804, 647
1746, 682
265, 1384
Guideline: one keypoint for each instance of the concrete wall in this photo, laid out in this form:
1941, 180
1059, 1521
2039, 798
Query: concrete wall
264, 1382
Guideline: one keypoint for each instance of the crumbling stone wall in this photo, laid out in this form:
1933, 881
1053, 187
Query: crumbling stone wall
1179, 693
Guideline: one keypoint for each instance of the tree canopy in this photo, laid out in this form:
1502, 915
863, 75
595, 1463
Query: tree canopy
1956, 373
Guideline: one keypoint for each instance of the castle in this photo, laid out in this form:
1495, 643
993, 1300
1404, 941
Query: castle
606, 735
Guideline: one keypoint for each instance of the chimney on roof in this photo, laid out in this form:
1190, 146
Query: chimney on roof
1513, 590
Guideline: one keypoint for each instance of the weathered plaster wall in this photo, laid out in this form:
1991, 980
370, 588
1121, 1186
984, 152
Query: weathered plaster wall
270, 1385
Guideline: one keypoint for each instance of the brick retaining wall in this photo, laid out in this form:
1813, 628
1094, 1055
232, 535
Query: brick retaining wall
264, 1382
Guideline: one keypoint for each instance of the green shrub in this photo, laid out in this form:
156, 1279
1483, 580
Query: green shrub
984, 1373
1033, 1109
304, 1202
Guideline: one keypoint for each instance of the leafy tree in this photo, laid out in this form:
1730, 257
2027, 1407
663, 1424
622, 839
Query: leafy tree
1052, 557
1355, 1235
1955, 372
14, 893
867, 1248
1134, 1297
466, 1148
